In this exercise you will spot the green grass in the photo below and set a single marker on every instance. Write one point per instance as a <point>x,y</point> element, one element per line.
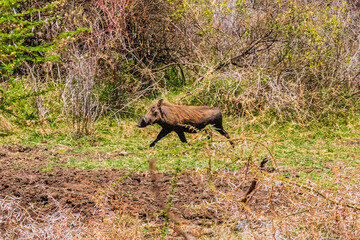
<point>316,153</point>
<point>48,167</point>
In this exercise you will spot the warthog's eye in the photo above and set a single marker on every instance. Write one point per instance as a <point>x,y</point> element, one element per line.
<point>153,108</point>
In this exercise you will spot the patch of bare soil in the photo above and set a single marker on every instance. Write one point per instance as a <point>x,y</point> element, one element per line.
<point>348,143</point>
<point>144,194</point>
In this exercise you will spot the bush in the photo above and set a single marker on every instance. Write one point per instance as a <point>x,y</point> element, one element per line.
<point>27,50</point>
<point>299,60</point>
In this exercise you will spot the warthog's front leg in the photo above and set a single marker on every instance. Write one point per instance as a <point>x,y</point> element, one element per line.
<point>161,134</point>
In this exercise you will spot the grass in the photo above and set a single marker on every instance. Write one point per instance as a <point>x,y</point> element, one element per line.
<point>319,152</point>
<point>319,156</point>
<point>315,153</point>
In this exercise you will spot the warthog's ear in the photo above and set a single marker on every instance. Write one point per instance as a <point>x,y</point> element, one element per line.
<point>160,102</point>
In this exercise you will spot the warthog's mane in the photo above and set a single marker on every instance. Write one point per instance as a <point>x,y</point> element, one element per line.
<point>178,114</point>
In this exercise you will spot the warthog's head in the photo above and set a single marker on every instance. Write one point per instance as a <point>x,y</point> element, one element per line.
<point>152,116</point>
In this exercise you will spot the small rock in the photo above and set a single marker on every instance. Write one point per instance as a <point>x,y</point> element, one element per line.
<point>241,225</point>
<point>123,153</point>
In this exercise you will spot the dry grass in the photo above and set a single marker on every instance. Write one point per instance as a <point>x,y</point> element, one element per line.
<point>291,212</point>
<point>5,125</point>
<point>26,222</point>
<point>277,208</point>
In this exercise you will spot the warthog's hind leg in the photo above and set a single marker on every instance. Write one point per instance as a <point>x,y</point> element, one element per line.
<point>221,130</point>
<point>182,136</point>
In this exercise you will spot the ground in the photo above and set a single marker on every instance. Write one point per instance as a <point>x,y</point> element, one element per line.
<point>142,195</point>
<point>52,190</point>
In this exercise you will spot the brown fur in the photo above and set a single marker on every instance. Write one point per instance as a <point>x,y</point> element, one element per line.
<point>177,115</point>
<point>181,119</point>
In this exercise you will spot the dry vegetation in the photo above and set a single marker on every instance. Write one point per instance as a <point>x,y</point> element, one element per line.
<point>295,60</point>
<point>276,209</point>
<point>80,71</point>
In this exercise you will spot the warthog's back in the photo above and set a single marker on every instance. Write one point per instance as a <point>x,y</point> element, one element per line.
<point>176,114</point>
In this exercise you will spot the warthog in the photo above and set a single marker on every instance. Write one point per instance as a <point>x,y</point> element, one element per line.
<point>181,119</point>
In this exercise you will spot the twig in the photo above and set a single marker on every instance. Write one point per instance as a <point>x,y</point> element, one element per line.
<point>245,52</point>
<point>253,182</point>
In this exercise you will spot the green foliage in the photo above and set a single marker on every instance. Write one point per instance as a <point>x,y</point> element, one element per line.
<point>173,79</point>
<point>15,95</point>
<point>17,29</point>
<point>311,34</point>
<point>17,100</point>
<point>19,43</point>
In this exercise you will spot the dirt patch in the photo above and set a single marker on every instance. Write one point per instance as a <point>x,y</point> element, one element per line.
<point>84,191</point>
<point>143,195</point>
<point>348,143</point>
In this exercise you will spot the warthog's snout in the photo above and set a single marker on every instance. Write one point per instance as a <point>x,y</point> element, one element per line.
<point>142,122</point>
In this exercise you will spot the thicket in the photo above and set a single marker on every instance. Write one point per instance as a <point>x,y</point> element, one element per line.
<point>296,60</point>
